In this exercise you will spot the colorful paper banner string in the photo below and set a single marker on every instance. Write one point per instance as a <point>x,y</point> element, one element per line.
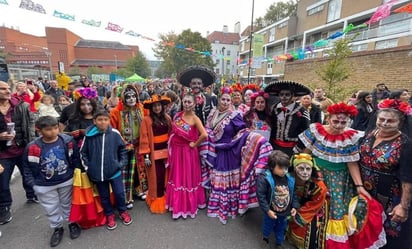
<point>30,5</point>
<point>62,15</point>
<point>114,27</point>
<point>92,22</point>
<point>4,2</point>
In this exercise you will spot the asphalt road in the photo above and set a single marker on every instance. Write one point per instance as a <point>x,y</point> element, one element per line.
<point>30,229</point>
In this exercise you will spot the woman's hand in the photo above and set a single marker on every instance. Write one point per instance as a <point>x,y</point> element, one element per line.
<point>293,212</point>
<point>5,136</point>
<point>362,191</point>
<point>399,213</point>
<point>192,144</point>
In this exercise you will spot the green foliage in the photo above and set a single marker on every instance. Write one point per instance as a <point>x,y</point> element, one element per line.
<point>94,70</point>
<point>276,12</point>
<point>176,59</point>
<point>138,65</point>
<point>336,70</point>
<point>75,70</point>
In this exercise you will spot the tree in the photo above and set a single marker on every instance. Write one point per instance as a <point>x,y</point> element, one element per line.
<point>277,11</point>
<point>94,70</point>
<point>178,56</point>
<point>75,70</point>
<point>337,69</point>
<point>138,65</point>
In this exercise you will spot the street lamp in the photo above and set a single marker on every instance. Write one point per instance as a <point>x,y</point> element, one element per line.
<point>115,61</point>
<point>48,54</point>
<point>223,61</point>
<point>250,44</point>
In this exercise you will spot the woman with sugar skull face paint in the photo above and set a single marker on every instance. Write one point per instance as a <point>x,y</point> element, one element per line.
<point>127,118</point>
<point>184,192</point>
<point>233,158</point>
<point>335,151</point>
<point>307,228</point>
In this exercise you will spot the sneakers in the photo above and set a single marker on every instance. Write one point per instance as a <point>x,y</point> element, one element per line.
<point>129,205</point>
<point>75,230</point>
<point>5,215</point>
<point>111,222</point>
<point>56,237</point>
<point>32,200</point>
<point>126,219</point>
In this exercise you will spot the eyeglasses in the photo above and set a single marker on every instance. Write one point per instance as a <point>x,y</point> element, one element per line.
<point>336,122</point>
<point>285,94</point>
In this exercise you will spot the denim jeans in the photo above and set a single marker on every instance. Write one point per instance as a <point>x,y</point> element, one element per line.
<point>118,191</point>
<point>5,193</point>
<point>278,226</point>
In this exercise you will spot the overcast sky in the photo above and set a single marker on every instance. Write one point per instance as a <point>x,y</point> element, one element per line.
<point>145,17</point>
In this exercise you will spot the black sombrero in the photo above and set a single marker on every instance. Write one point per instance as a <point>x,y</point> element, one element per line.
<point>208,76</point>
<point>297,88</point>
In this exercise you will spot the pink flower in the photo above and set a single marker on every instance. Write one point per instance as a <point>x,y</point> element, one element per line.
<point>199,100</point>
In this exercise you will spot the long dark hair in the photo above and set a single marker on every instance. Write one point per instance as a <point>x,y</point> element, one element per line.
<point>160,118</point>
<point>248,117</point>
<point>78,114</point>
<point>361,102</point>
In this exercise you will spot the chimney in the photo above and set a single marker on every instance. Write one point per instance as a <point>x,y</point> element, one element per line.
<point>237,27</point>
<point>225,30</point>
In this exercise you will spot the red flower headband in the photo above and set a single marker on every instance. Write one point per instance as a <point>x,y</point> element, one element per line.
<point>237,87</point>
<point>265,95</point>
<point>343,108</point>
<point>397,105</point>
<point>252,87</point>
<point>226,90</point>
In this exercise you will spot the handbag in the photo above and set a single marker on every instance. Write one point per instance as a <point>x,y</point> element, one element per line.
<point>160,154</point>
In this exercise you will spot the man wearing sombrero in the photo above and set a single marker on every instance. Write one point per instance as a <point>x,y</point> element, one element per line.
<point>197,77</point>
<point>289,119</point>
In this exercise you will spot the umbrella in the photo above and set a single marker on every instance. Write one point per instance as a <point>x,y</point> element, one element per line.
<point>134,78</point>
<point>297,88</point>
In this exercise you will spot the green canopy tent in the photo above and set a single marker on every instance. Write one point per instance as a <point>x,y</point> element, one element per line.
<point>135,78</point>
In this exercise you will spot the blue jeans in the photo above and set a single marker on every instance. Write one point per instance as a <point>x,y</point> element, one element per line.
<point>118,191</point>
<point>278,226</point>
<point>5,193</point>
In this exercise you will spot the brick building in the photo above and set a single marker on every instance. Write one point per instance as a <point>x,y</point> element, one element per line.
<point>43,54</point>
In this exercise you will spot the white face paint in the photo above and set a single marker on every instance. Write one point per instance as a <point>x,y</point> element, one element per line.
<point>225,102</point>
<point>188,103</point>
<point>196,84</point>
<point>303,171</point>
<point>248,96</point>
<point>338,122</point>
<point>130,98</point>
<point>387,122</point>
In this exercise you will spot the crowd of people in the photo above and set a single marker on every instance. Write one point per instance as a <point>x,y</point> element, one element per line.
<point>324,174</point>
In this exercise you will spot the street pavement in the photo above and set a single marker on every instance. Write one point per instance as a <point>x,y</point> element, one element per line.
<point>29,229</point>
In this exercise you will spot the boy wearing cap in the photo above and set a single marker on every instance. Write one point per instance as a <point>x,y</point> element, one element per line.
<point>307,228</point>
<point>275,192</point>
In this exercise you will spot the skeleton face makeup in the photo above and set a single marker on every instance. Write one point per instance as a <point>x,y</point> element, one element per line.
<point>224,102</point>
<point>338,122</point>
<point>303,171</point>
<point>197,85</point>
<point>248,96</point>
<point>388,122</point>
<point>188,103</point>
<point>130,98</point>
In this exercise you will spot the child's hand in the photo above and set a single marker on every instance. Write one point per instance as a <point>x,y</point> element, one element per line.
<point>293,212</point>
<point>272,215</point>
<point>1,168</point>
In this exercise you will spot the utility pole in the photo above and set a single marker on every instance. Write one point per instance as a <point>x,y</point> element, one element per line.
<point>223,62</point>
<point>250,44</point>
<point>49,54</point>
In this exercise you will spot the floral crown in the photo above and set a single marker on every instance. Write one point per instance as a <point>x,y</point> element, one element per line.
<point>226,90</point>
<point>237,87</point>
<point>265,95</point>
<point>84,92</point>
<point>252,87</point>
<point>343,108</point>
<point>397,105</point>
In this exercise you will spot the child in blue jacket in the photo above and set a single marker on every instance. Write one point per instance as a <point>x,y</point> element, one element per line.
<point>277,200</point>
<point>49,162</point>
<point>103,154</point>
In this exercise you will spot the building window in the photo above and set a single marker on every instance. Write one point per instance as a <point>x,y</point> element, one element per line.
<point>334,10</point>
<point>272,35</point>
<point>360,47</point>
<point>386,44</point>
<point>228,52</point>
<point>315,10</point>
<point>242,46</point>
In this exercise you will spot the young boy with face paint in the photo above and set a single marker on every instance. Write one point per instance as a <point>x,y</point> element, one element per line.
<point>306,229</point>
<point>277,200</point>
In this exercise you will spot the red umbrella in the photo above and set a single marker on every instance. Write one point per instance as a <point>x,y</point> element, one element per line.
<point>407,8</point>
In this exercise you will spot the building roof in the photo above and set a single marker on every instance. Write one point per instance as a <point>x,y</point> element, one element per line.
<point>100,44</point>
<point>224,37</point>
<point>81,62</point>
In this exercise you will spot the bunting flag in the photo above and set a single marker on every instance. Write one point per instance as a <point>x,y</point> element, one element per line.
<point>62,15</point>
<point>382,12</point>
<point>4,2</point>
<point>92,23</point>
<point>321,43</point>
<point>114,27</point>
<point>335,35</point>
<point>352,27</point>
<point>406,8</point>
<point>148,38</point>
<point>30,5</point>
<point>132,33</point>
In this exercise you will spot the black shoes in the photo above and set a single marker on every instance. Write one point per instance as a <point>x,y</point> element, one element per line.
<point>56,237</point>
<point>32,200</point>
<point>5,215</point>
<point>74,230</point>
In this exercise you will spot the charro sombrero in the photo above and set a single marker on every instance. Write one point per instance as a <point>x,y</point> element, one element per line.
<point>297,88</point>
<point>147,104</point>
<point>208,76</point>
